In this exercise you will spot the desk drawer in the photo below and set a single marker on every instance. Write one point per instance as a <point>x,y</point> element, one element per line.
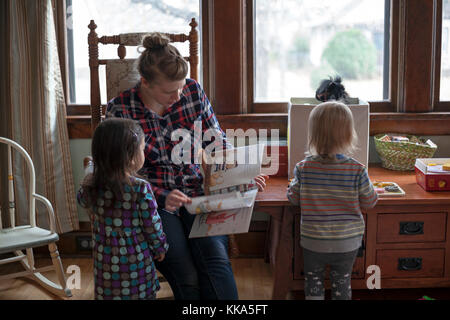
<point>411,263</point>
<point>411,227</point>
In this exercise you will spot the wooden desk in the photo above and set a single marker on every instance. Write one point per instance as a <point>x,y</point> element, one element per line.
<point>407,237</point>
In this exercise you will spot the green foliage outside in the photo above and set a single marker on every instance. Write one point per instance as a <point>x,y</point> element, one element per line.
<point>351,55</point>
<point>325,71</point>
<point>298,56</point>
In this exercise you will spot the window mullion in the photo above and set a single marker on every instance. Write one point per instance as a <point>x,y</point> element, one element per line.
<point>416,19</point>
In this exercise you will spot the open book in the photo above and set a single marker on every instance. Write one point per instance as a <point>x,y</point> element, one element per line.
<point>230,192</point>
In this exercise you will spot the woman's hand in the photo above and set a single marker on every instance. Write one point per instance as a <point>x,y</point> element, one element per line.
<point>176,199</point>
<point>261,181</point>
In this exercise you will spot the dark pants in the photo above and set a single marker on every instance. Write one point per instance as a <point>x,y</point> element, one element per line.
<point>195,268</point>
<point>341,265</point>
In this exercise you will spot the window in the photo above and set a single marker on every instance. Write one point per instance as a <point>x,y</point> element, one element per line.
<point>445,53</point>
<point>300,42</point>
<point>112,18</point>
<point>409,91</point>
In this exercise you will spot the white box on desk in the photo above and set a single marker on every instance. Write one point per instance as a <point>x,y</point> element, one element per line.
<point>299,110</point>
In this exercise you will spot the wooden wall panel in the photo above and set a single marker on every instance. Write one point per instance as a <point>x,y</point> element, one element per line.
<point>416,55</point>
<point>227,69</point>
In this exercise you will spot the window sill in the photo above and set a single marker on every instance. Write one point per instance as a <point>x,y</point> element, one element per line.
<point>433,123</point>
<point>423,124</point>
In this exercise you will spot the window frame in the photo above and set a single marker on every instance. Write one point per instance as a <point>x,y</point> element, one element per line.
<point>282,107</point>
<point>414,105</point>
<point>439,106</point>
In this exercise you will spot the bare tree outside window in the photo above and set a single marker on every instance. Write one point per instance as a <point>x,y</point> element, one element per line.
<point>114,17</point>
<point>299,42</point>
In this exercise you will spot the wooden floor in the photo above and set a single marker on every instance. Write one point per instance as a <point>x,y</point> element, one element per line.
<point>253,278</point>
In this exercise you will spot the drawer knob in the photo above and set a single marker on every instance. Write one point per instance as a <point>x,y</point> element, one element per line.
<point>409,264</point>
<point>411,228</point>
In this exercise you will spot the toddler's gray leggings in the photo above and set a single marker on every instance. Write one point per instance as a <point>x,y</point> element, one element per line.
<point>341,265</point>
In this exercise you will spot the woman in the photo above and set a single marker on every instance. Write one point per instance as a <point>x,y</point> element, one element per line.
<point>162,102</point>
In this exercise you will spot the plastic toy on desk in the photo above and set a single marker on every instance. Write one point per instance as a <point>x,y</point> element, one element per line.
<point>388,189</point>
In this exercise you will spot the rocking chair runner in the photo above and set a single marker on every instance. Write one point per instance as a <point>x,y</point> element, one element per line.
<point>121,73</point>
<point>25,237</point>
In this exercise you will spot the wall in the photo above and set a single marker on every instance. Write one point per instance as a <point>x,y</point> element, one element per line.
<point>79,148</point>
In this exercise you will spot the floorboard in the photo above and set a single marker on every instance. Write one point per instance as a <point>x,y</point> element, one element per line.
<point>253,277</point>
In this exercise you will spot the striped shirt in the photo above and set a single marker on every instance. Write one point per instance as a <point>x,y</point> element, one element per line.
<point>331,194</point>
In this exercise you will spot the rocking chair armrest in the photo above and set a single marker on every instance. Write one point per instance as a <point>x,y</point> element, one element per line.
<point>51,213</point>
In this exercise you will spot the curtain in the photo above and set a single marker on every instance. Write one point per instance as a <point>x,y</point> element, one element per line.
<point>33,110</point>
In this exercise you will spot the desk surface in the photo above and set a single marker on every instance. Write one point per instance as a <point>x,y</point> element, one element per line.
<point>275,192</point>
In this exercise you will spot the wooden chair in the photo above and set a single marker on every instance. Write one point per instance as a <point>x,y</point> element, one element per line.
<point>121,74</point>
<point>26,237</point>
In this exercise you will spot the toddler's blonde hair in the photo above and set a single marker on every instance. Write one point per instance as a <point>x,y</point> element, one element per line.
<point>331,130</point>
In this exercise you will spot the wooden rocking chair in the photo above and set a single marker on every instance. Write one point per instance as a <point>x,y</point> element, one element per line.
<point>26,237</point>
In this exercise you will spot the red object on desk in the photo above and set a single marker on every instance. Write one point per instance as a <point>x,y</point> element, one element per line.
<point>431,181</point>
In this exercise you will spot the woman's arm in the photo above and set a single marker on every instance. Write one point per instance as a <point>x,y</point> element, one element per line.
<point>367,195</point>
<point>209,122</point>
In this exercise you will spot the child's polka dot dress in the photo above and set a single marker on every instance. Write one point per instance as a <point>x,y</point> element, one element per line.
<point>127,233</point>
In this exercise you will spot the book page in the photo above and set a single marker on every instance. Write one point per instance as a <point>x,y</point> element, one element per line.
<point>222,223</point>
<point>234,167</point>
<point>220,202</point>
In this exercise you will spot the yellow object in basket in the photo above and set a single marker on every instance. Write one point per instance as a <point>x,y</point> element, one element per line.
<point>432,164</point>
<point>446,167</point>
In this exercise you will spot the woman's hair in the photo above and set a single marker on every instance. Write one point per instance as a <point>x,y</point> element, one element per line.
<point>115,146</point>
<point>331,130</point>
<point>161,59</point>
<point>331,89</point>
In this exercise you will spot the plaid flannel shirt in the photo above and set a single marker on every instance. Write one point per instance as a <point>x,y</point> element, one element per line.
<point>164,174</point>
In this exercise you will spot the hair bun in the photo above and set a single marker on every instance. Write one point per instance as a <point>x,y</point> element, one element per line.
<point>154,41</point>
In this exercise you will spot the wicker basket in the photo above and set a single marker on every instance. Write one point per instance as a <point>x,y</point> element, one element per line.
<point>402,155</point>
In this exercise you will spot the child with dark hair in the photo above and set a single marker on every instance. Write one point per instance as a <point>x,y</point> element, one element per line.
<point>126,227</point>
<point>331,89</point>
